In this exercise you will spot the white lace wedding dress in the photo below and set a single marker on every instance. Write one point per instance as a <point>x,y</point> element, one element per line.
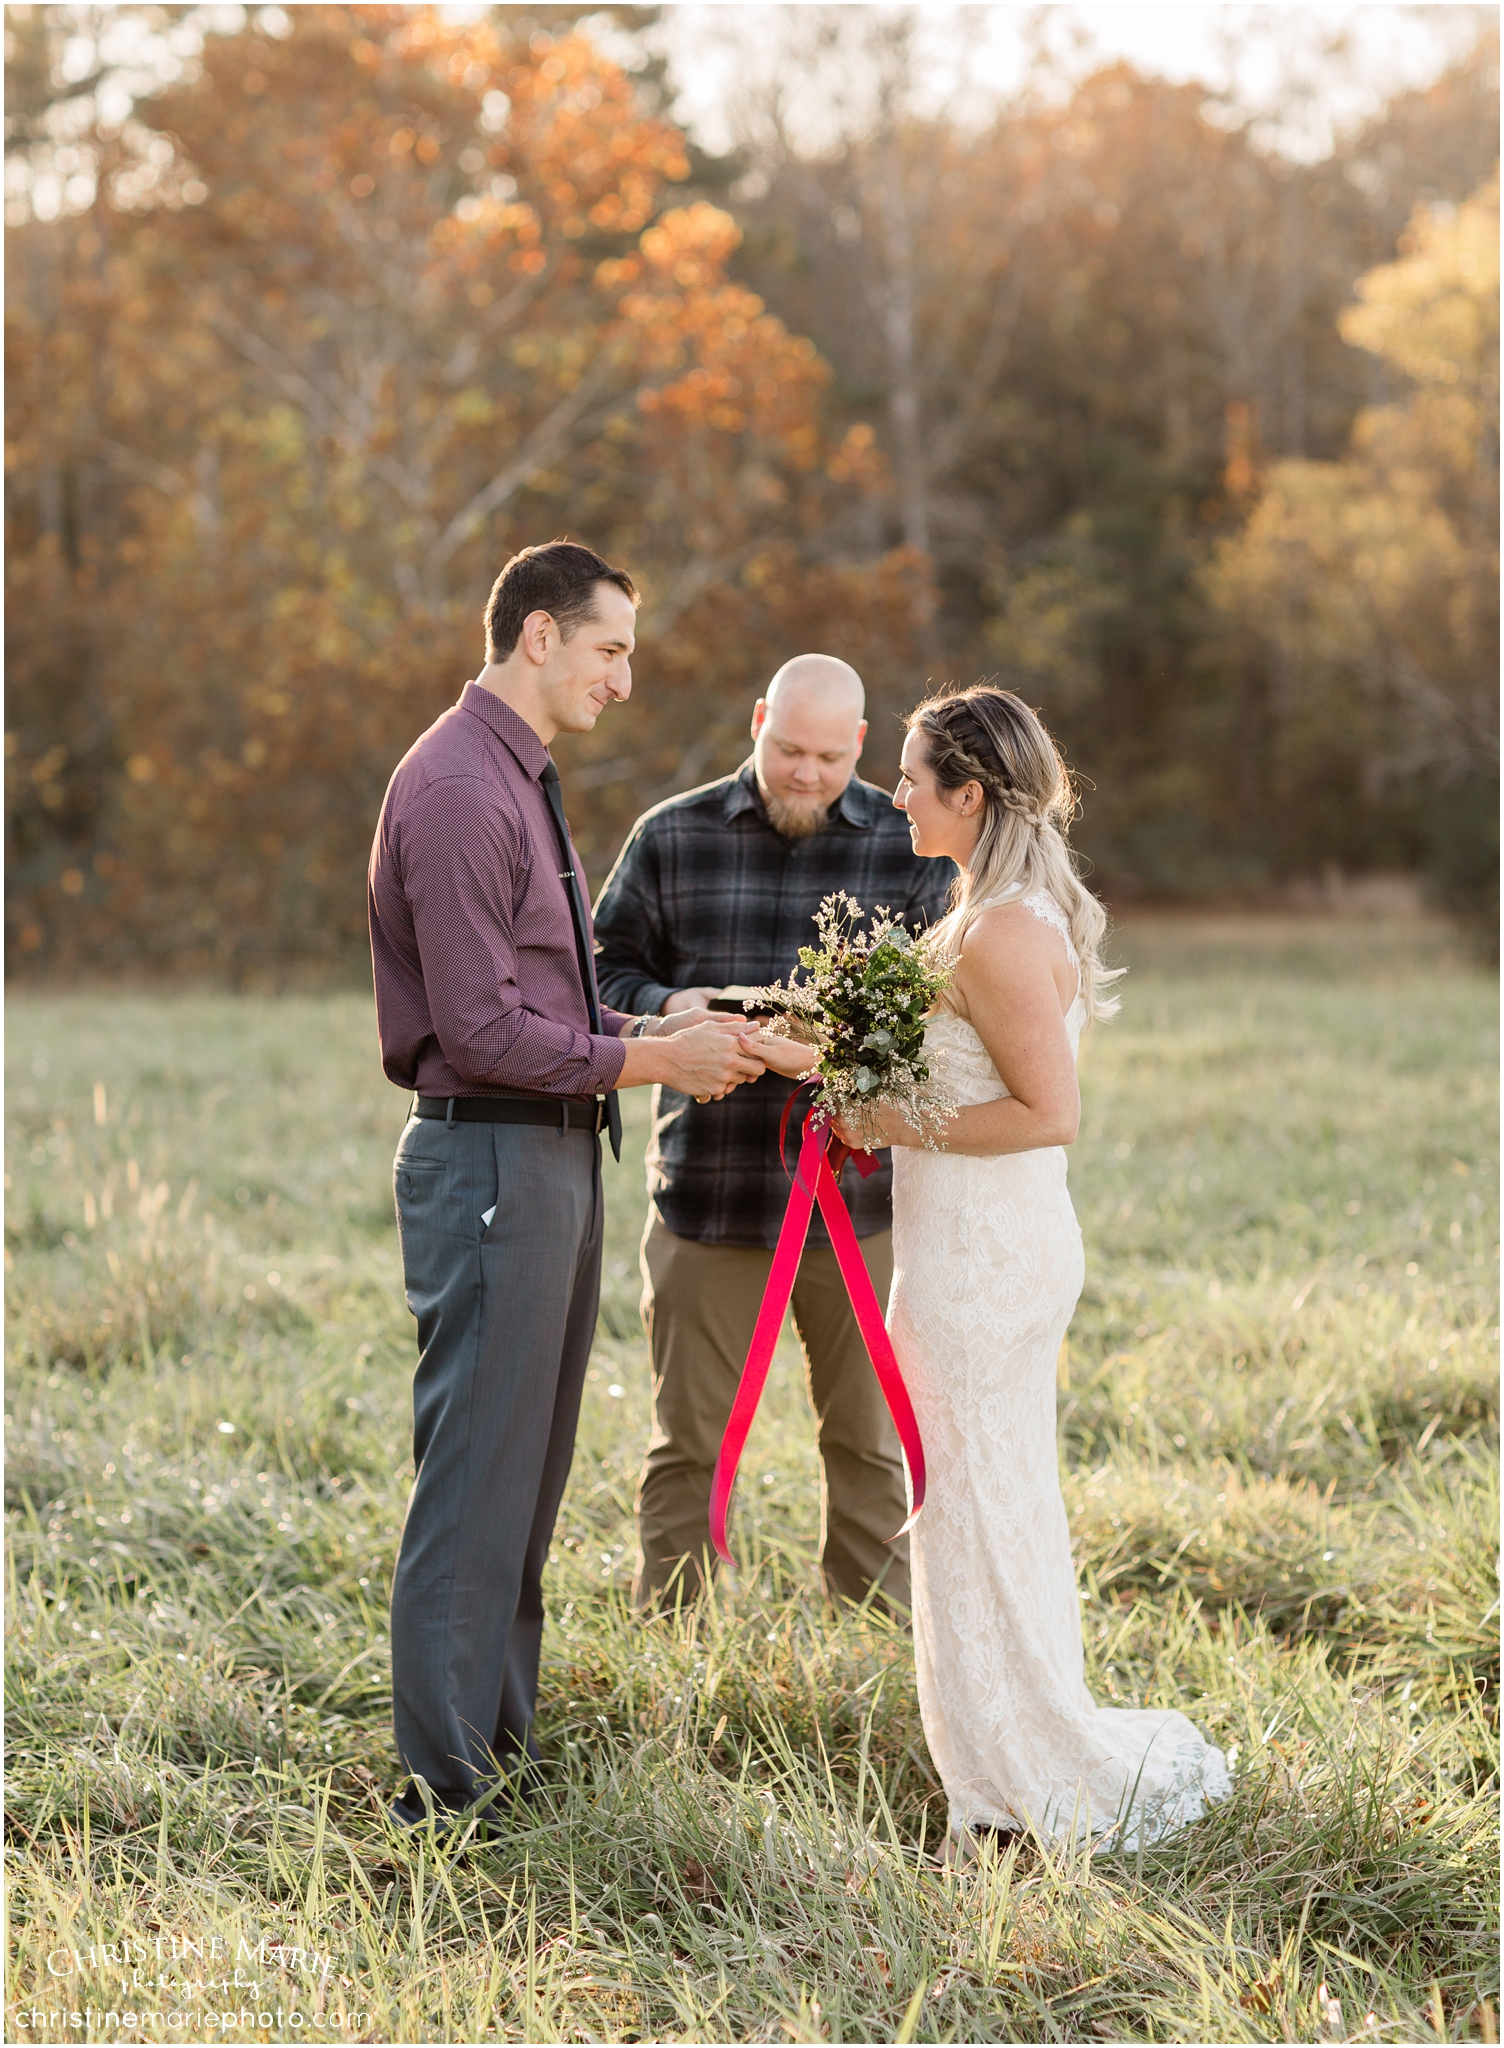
<point>987,1269</point>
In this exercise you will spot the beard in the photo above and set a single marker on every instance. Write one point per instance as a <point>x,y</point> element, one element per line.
<point>796,819</point>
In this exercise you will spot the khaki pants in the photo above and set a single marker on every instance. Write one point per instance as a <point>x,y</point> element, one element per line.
<point>700,1303</point>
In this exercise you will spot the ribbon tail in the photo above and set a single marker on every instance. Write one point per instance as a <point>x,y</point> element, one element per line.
<point>866,1163</point>
<point>770,1315</point>
<point>869,1317</point>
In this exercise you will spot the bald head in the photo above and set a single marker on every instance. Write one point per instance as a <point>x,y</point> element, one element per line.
<point>808,731</point>
<point>818,679</point>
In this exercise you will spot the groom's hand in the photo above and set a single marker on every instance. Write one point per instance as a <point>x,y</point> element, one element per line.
<point>687,999</point>
<point>669,1024</point>
<point>708,1057</point>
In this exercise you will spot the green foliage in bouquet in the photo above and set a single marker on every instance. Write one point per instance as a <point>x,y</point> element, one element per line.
<point>863,1001</point>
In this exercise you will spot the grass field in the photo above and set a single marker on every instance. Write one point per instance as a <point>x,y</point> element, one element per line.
<point>1278,1424</point>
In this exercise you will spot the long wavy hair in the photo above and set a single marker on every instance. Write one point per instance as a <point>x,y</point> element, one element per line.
<point>986,735</point>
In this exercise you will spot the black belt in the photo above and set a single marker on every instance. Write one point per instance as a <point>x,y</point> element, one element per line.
<point>562,1114</point>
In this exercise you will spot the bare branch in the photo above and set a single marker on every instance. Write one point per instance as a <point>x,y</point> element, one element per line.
<point>157,474</point>
<point>993,353</point>
<point>547,440</point>
<point>162,479</point>
<point>694,760</point>
<point>328,413</point>
<point>691,585</point>
<point>1456,735</point>
<point>495,321</point>
<point>600,774</point>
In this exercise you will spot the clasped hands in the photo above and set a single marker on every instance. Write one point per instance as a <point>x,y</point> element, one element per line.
<point>732,1050</point>
<point>735,1050</point>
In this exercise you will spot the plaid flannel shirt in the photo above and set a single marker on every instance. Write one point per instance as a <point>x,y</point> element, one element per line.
<point>707,893</point>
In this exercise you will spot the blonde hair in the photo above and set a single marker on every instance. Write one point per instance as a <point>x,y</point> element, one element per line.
<point>986,735</point>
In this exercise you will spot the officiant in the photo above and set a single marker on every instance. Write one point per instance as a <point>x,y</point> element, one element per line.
<point>720,887</point>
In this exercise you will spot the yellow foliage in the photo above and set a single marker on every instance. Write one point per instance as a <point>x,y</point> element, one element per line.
<point>1370,584</point>
<point>1435,313</point>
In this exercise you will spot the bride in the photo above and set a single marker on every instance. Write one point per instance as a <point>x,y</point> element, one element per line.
<point>987,1270</point>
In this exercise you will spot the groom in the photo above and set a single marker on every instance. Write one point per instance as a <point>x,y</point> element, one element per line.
<point>487,1008</point>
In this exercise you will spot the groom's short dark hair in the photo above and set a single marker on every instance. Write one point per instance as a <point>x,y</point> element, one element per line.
<point>559,578</point>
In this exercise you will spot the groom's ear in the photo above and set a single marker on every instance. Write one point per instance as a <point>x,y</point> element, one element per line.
<point>861,734</point>
<point>759,716</point>
<point>534,637</point>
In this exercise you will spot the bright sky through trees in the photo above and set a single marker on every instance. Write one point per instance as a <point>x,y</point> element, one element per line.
<point>1278,60</point>
<point>1282,62</point>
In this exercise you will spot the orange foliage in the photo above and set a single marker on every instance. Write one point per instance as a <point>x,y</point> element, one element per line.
<point>409,295</point>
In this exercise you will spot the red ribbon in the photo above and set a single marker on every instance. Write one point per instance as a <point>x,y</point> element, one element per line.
<point>821,1156</point>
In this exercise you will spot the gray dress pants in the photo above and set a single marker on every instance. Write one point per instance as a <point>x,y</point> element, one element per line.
<point>506,1316</point>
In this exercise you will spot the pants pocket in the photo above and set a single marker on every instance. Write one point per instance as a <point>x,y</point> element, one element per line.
<point>420,1184</point>
<point>416,1179</point>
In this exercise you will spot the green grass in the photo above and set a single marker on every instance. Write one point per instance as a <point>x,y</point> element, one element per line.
<point>1278,1419</point>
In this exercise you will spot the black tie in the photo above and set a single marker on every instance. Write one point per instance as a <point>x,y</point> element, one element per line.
<point>571,881</point>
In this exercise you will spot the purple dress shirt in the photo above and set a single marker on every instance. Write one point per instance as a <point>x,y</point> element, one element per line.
<point>478,986</point>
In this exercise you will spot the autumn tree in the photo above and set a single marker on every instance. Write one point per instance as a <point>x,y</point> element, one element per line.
<point>1083,327</point>
<point>1365,591</point>
<point>395,296</point>
<point>365,297</point>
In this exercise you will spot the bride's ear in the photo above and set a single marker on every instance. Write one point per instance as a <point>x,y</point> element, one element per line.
<point>969,799</point>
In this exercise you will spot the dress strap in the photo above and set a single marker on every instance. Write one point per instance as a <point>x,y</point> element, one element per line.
<point>1042,905</point>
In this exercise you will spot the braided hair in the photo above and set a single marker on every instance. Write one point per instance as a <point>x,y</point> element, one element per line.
<point>988,736</point>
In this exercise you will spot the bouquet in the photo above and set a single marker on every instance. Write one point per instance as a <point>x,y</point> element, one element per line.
<point>863,1002</point>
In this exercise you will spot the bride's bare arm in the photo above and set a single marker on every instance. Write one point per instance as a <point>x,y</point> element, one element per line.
<point>1013,984</point>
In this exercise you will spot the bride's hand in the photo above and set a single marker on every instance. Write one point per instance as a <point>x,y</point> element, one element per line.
<point>884,1126</point>
<point>784,1056</point>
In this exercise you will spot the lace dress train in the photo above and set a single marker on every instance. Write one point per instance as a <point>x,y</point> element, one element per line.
<point>987,1270</point>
